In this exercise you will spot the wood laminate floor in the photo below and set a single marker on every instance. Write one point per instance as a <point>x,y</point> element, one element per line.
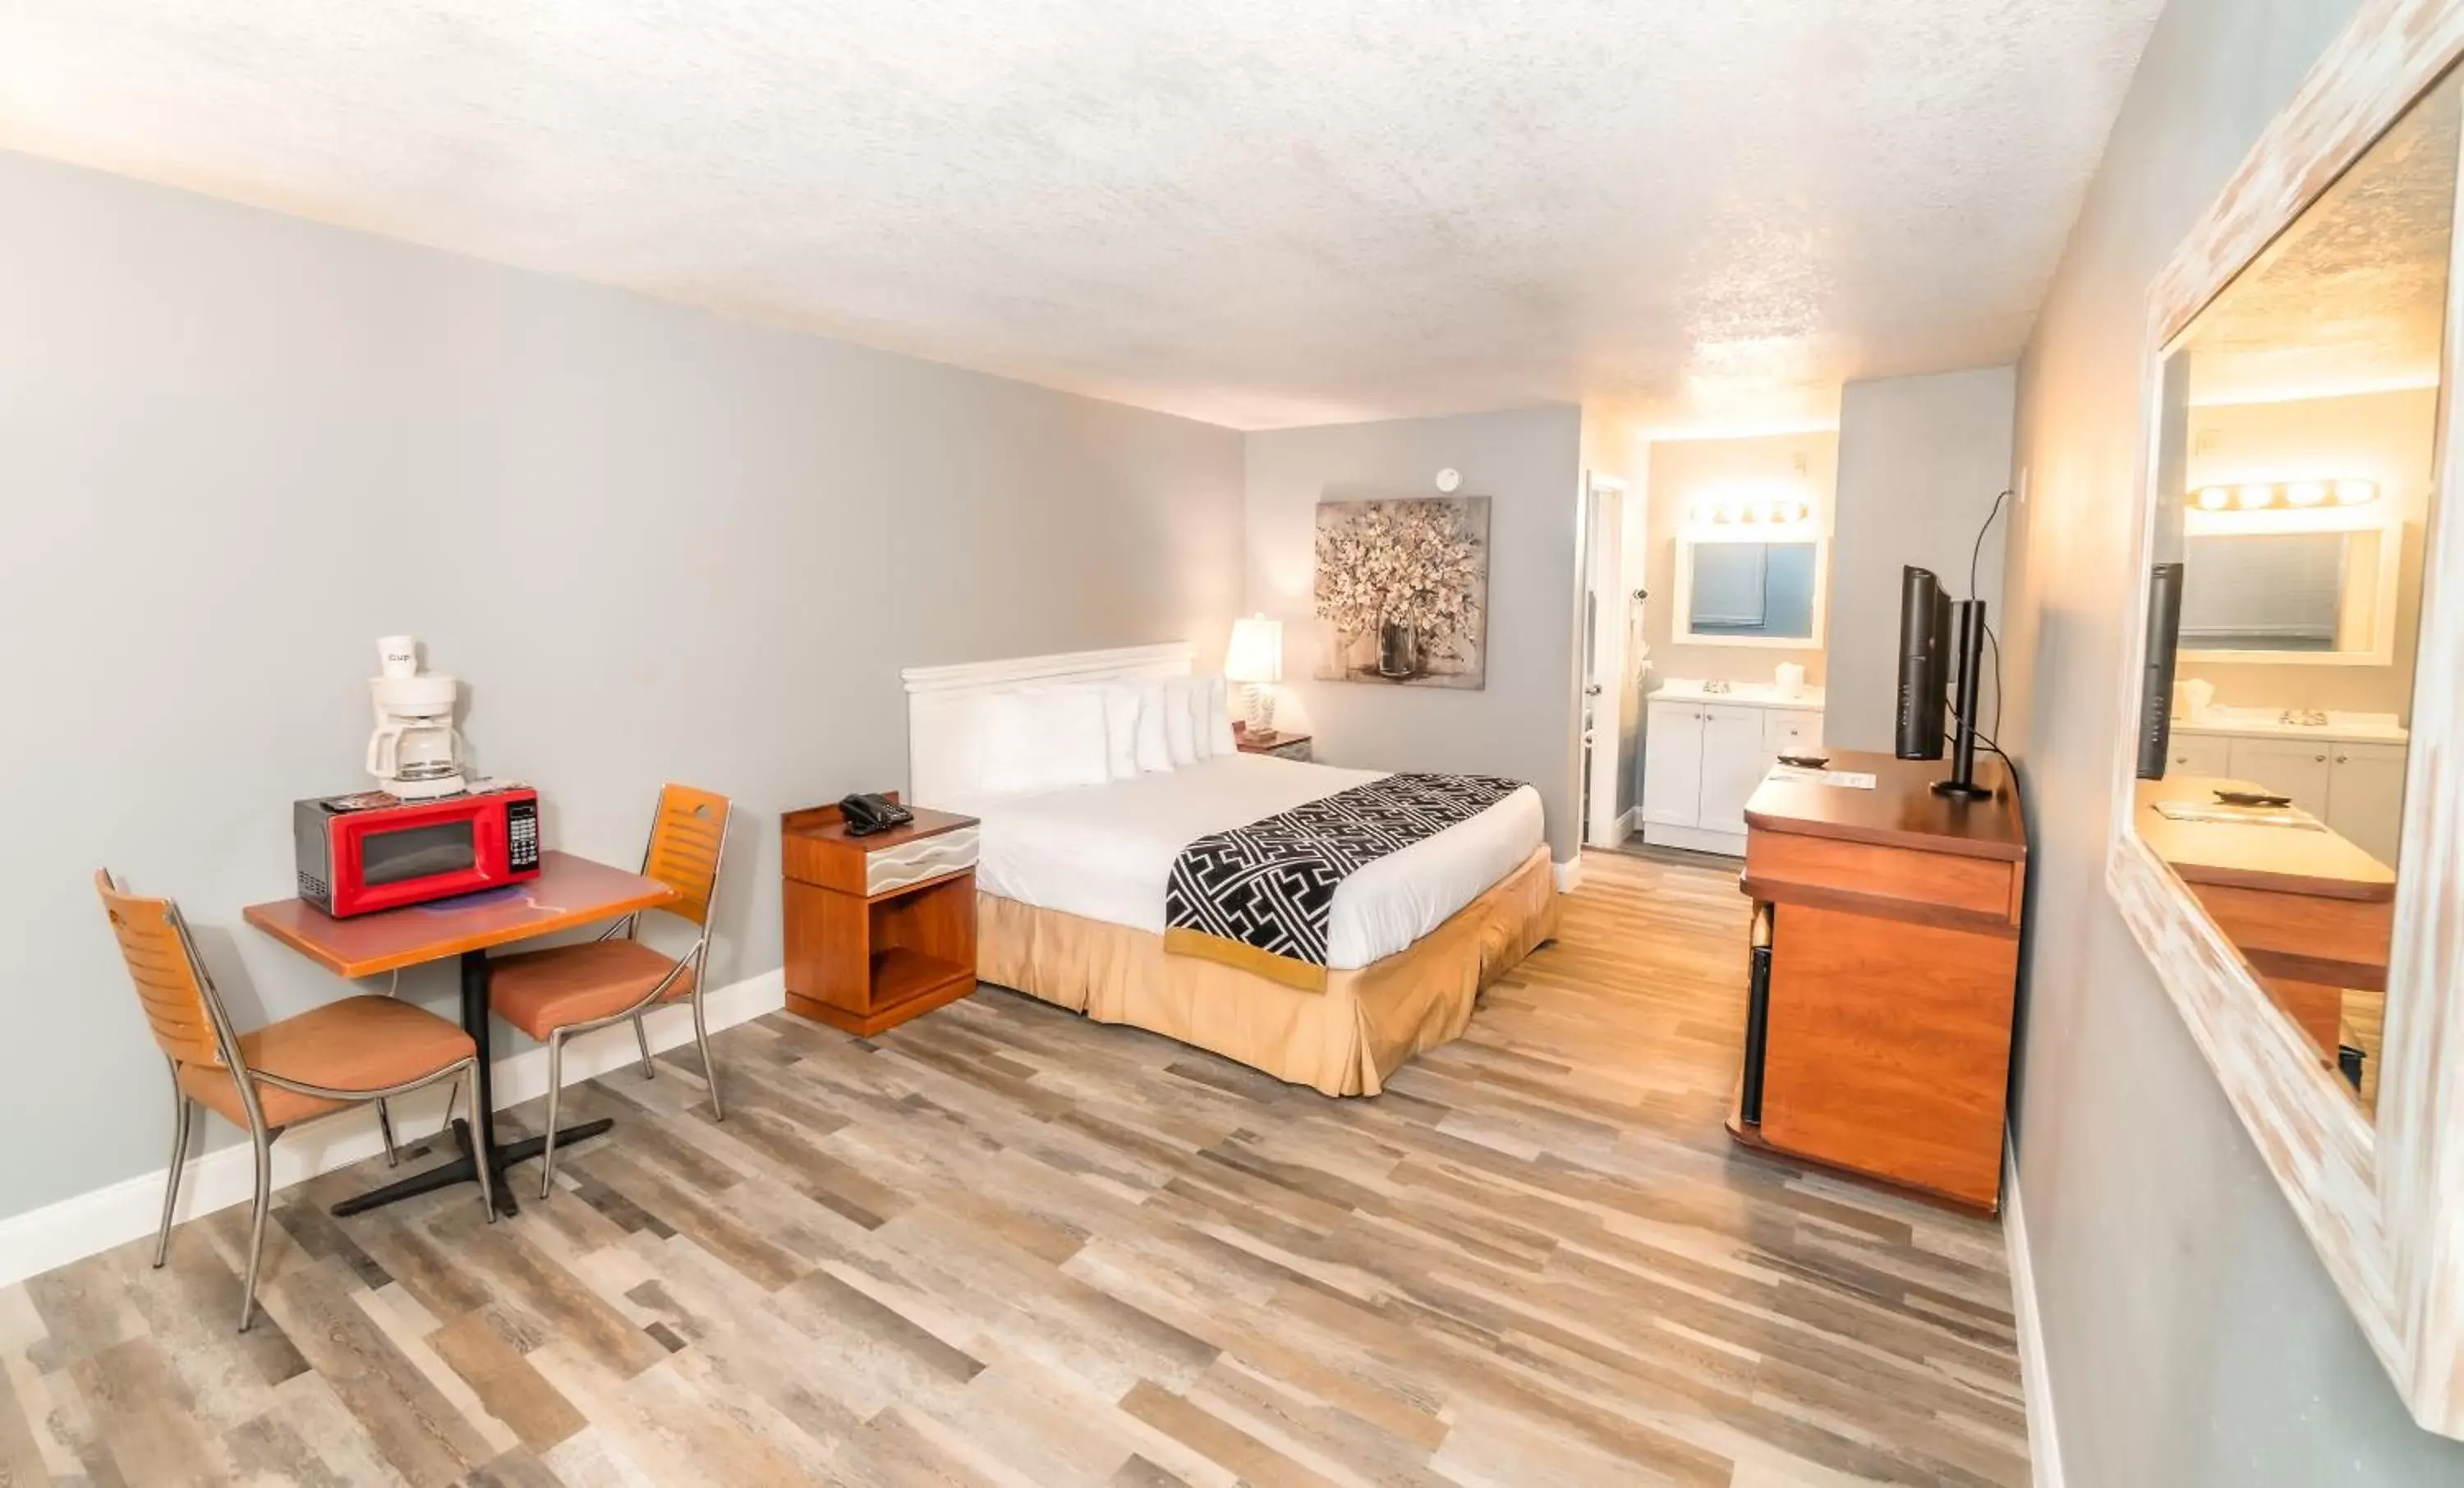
<point>1004,1245</point>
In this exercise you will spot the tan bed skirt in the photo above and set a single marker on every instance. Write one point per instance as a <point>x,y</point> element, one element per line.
<point>1344,1040</point>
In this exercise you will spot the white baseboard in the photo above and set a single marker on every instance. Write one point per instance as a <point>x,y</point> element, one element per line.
<point>1569,874</point>
<point>1694,838</point>
<point>2044,1443</point>
<point>37,1241</point>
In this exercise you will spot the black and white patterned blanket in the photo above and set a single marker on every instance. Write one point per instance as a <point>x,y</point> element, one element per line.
<point>1262,896</point>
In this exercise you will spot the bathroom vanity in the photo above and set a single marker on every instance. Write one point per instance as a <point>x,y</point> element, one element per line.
<point>1706,746</point>
<point>2346,768</point>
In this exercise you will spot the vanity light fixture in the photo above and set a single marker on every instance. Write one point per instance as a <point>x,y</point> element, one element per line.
<point>2264,496</point>
<point>1742,509</point>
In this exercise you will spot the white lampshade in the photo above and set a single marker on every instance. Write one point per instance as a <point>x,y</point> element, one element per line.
<point>1257,654</point>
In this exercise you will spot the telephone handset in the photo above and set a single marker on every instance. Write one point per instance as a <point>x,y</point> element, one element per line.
<point>866,815</point>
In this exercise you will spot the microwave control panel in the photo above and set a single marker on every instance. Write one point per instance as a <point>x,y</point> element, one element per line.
<point>522,836</point>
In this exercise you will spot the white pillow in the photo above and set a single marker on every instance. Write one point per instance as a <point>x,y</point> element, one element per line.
<point>1219,719</point>
<point>1042,741</point>
<point>1153,741</point>
<point>1184,703</point>
<point>1120,730</point>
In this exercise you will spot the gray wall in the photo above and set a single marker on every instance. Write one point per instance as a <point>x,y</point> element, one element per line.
<point>1920,461</point>
<point>2194,1341</point>
<point>236,447</point>
<point>1527,461</point>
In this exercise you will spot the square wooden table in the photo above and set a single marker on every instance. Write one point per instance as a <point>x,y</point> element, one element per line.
<point>569,892</point>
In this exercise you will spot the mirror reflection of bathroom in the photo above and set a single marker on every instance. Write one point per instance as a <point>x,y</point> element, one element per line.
<point>2296,472</point>
<point>1749,591</point>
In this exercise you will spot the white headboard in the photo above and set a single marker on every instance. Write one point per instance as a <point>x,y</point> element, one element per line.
<point>941,750</point>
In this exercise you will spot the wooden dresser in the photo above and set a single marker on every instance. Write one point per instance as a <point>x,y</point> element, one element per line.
<point>1892,919</point>
<point>2314,914</point>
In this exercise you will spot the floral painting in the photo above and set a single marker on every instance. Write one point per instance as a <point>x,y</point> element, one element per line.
<point>1402,591</point>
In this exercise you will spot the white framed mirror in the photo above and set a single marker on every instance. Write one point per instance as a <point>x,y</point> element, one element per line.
<point>2289,809</point>
<point>1751,569</point>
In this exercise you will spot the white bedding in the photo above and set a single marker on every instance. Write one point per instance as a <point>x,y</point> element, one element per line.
<point>1105,852</point>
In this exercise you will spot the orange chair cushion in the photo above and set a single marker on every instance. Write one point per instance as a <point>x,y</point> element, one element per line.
<point>360,1044</point>
<point>540,992</point>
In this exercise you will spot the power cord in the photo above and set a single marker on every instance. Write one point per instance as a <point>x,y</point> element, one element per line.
<point>1974,553</point>
<point>1978,551</point>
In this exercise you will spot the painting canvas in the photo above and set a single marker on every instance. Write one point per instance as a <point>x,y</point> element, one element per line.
<point>1402,591</point>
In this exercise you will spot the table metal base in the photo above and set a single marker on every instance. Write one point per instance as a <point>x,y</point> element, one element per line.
<point>461,1170</point>
<point>501,1155</point>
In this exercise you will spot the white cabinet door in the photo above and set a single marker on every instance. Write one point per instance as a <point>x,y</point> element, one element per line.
<point>1672,764</point>
<point>1734,762</point>
<point>1792,732</point>
<point>2200,753</point>
<point>2366,796</point>
<point>2289,767</point>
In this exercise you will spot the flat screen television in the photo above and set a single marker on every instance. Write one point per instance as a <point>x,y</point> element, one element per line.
<point>1926,675</point>
<point>1925,633</point>
<point>2164,647</point>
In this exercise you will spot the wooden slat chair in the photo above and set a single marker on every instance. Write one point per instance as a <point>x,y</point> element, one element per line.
<point>348,1053</point>
<point>563,990</point>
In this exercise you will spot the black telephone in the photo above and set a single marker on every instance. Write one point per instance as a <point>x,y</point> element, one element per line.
<point>866,815</point>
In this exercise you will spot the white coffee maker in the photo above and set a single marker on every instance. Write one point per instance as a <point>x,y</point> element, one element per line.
<point>415,754</point>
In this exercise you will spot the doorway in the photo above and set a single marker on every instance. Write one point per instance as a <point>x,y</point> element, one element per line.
<point>1612,647</point>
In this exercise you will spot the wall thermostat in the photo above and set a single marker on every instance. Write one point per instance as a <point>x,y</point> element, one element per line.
<point>1449,480</point>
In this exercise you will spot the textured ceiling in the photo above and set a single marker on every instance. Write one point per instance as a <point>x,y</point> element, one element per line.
<point>1704,213</point>
<point>2351,297</point>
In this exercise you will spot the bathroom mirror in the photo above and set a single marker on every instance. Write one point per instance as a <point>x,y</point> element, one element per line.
<point>1741,591</point>
<point>2291,597</point>
<point>2301,410</point>
<point>2288,810</point>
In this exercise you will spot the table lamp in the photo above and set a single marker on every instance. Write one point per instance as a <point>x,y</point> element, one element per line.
<point>1256,661</point>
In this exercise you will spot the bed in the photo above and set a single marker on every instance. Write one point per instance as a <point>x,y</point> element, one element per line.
<point>1071,891</point>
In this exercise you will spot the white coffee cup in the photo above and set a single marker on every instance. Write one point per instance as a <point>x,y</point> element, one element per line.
<point>398,656</point>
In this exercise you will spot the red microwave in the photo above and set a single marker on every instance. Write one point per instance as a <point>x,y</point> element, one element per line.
<point>356,860</point>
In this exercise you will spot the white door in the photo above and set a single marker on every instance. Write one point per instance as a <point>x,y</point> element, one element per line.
<point>2199,754</point>
<point>2289,767</point>
<point>2366,796</point>
<point>1672,764</point>
<point>1604,659</point>
<point>1788,730</point>
<point>1734,762</point>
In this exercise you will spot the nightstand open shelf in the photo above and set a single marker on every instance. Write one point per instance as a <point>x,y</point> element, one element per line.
<point>878,928</point>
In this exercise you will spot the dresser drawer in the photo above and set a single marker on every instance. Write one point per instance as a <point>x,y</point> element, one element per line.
<point>913,862</point>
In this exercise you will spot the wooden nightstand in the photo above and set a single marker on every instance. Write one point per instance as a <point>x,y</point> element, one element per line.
<point>879,929</point>
<point>1282,746</point>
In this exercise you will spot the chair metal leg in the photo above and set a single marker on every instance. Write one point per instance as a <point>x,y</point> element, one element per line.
<point>642,1037</point>
<point>385,1129</point>
<point>181,1107</point>
<point>708,1067</point>
<point>555,1088</point>
<point>479,1154</point>
<point>263,1143</point>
